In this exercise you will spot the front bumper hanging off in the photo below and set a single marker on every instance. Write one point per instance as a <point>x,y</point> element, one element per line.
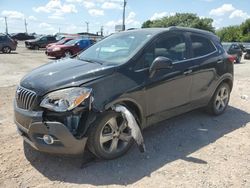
<point>31,126</point>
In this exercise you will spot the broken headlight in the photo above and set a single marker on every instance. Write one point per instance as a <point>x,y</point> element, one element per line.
<point>65,99</point>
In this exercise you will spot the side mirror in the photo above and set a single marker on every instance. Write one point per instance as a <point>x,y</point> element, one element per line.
<point>78,44</point>
<point>158,64</point>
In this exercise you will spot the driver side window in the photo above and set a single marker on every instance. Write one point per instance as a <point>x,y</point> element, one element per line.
<point>171,46</point>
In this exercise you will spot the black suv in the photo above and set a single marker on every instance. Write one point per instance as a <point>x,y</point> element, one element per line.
<point>40,42</point>
<point>106,95</point>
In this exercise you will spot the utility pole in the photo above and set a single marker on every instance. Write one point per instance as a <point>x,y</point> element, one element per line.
<point>87,23</point>
<point>123,16</point>
<point>6,25</point>
<point>25,25</point>
<point>59,30</point>
<point>101,30</point>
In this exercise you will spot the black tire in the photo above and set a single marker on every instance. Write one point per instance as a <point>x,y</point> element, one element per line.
<point>6,49</point>
<point>68,53</point>
<point>100,128</point>
<point>36,47</point>
<point>220,99</point>
<point>238,60</point>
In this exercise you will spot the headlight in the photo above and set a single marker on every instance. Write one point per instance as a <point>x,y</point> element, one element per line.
<point>65,99</point>
<point>56,49</point>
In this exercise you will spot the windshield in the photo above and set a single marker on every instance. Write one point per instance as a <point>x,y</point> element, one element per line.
<point>117,48</point>
<point>71,42</point>
<point>62,41</point>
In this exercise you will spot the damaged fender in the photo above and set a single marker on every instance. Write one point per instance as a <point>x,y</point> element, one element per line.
<point>133,125</point>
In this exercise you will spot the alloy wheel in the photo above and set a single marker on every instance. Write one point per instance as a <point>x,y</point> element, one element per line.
<point>115,135</point>
<point>221,99</point>
<point>6,49</point>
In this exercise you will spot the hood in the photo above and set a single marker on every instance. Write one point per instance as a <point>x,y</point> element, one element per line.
<point>63,73</point>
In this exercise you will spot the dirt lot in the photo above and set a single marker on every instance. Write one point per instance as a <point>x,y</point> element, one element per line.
<point>192,150</point>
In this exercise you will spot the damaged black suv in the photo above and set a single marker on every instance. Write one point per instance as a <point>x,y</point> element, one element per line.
<point>102,98</point>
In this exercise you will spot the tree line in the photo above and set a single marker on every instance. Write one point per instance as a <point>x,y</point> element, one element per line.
<point>238,33</point>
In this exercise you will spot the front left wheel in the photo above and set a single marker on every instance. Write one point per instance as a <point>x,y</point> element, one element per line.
<point>110,136</point>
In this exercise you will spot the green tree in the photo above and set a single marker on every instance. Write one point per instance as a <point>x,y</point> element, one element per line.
<point>182,19</point>
<point>230,34</point>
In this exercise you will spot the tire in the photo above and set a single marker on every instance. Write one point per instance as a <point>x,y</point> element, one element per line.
<point>36,47</point>
<point>108,141</point>
<point>238,60</point>
<point>220,99</point>
<point>67,53</point>
<point>6,49</point>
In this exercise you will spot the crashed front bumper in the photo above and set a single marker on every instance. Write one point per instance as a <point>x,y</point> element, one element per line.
<point>32,127</point>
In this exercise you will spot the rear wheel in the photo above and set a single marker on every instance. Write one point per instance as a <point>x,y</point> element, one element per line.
<point>67,53</point>
<point>36,47</point>
<point>6,49</point>
<point>220,99</point>
<point>110,137</point>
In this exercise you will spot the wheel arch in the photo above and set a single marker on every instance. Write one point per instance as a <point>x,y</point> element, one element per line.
<point>132,105</point>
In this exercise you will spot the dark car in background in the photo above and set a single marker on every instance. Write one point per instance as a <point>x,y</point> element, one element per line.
<point>233,49</point>
<point>247,55</point>
<point>22,36</point>
<point>60,42</point>
<point>70,48</point>
<point>40,42</point>
<point>7,44</point>
<point>106,95</point>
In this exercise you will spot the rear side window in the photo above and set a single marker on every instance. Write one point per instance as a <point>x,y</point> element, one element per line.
<point>201,46</point>
<point>51,38</point>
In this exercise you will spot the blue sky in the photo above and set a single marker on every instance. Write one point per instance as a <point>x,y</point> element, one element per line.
<point>47,16</point>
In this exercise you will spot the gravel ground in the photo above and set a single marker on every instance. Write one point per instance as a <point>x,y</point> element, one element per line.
<point>191,150</point>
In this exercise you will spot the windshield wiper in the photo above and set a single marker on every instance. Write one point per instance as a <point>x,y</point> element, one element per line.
<point>91,61</point>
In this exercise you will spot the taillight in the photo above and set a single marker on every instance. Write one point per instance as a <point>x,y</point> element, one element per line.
<point>231,58</point>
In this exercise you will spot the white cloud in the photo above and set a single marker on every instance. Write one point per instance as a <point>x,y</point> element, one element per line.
<point>13,14</point>
<point>222,10</point>
<point>56,8</point>
<point>158,15</point>
<point>96,12</point>
<point>130,22</point>
<point>111,5</point>
<point>32,18</point>
<point>217,23</point>
<point>88,4</point>
<point>239,14</point>
<point>47,27</point>
<point>74,1</point>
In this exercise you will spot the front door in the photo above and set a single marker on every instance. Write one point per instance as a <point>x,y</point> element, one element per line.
<point>169,88</point>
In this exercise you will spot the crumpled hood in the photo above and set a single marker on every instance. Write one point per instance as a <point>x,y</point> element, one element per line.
<point>63,73</point>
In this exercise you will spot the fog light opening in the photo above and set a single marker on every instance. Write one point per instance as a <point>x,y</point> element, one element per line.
<point>48,139</point>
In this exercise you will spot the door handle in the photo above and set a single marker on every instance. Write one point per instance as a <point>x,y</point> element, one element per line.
<point>188,72</point>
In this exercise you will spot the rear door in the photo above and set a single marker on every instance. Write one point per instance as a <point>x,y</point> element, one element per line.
<point>206,58</point>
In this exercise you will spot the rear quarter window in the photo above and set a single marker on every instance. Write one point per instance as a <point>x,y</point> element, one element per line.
<point>201,46</point>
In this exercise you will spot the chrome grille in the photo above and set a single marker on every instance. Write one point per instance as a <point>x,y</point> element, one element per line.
<point>25,98</point>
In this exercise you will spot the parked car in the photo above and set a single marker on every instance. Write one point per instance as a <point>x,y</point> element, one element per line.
<point>233,49</point>
<point>7,44</point>
<point>40,42</point>
<point>247,54</point>
<point>60,42</point>
<point>69,48</point>
<point>22,36</point>
<point>105,96</point>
